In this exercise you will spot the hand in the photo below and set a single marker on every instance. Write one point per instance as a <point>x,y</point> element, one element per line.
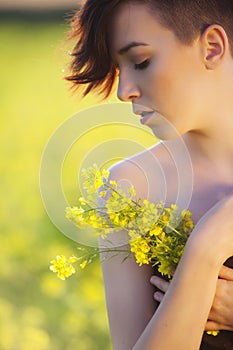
<point>221,313</point>
<point>160,284</point>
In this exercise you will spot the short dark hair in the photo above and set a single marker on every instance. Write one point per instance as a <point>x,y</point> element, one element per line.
<point>92,64</point>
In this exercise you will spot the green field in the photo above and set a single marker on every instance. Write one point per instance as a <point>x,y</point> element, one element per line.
<point>39,311</point>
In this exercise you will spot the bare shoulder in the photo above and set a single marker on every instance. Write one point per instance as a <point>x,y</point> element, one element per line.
<point>149,172</point>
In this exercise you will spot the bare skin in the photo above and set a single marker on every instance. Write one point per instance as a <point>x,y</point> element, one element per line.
<point>196,112</point>
<point>208,191</point>
<point>220,316</point>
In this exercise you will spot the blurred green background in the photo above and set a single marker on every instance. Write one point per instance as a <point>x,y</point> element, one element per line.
<point>37,310</point>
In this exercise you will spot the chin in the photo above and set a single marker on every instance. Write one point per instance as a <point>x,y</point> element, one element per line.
<point>164,133</point>
<point>162,128</point>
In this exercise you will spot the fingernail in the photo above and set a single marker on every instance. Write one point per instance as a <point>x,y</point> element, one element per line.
<point>157,297</point>
<point>153,279</point>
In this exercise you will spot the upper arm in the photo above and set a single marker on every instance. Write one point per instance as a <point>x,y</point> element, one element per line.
<point>129,297</point>
<point>129,293</point>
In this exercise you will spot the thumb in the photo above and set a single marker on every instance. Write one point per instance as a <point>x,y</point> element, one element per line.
<point>226,273</point>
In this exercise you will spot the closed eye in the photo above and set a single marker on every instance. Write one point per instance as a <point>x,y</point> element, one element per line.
<point>142,65</point>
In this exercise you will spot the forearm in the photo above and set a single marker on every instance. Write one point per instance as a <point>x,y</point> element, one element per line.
<point>182,315</point>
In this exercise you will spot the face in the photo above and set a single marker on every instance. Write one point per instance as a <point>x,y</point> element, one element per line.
<point>160,76</point>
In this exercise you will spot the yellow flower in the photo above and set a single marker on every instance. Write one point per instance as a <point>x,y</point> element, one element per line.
<point>93,179</point>
<point>98,181</point>
<point>164,218</point>
<point>113,183</point>
<point>62,267</point>
<point>214,333</point>
<point>82,201</point>
<point>174,207</point>
<point>102,193</point>
<point>144,247</point>
<point>72,259</point>
<point>75,214</point>
<point>156,231</point>
<point>134,235</point>
<point>105,173</point>
<point>188,225</point>
<point>141,250</point>
<point>165,268</point>
<point>141,258</point>
<point>132,191</point>
<point>95,220</point>
<point>83,264</point>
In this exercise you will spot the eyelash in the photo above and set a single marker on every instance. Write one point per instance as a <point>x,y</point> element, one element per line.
<point>142,65</point>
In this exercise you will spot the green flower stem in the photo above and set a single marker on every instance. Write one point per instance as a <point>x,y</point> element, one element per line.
<point>114,190</point>
<point>97,251</point>
<point>95,209</point>
<point>172,228</point>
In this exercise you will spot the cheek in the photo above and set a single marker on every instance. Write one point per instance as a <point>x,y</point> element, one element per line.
<point>174,93</point>
<point>162,89</point>
<point>172,98</point>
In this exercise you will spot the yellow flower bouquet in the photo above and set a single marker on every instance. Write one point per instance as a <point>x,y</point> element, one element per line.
<point>156,234</point>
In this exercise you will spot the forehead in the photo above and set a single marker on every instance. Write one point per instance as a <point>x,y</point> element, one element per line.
<point>134,22</point>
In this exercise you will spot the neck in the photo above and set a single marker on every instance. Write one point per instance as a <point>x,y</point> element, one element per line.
<point>212,134</point>
<point>214,139</point>
<point>212,151</point>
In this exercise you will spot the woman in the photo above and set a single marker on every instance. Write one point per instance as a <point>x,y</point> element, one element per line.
<point>174,61</point>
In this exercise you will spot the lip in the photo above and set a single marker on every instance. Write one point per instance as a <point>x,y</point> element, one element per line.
<point>141,110</point>
<point>146,116</point>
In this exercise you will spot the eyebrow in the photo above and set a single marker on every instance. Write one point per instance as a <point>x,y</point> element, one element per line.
<point>129,46</point>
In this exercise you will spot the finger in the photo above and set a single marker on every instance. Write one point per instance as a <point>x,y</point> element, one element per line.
<point>158,296</point>
<point>212,326</point>
<point>159,283</point>
<point>226,273</point>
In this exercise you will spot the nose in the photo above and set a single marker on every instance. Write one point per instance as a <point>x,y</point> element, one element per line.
<point>127,90</point>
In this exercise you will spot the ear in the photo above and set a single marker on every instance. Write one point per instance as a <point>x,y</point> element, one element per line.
<point>215,44</point>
